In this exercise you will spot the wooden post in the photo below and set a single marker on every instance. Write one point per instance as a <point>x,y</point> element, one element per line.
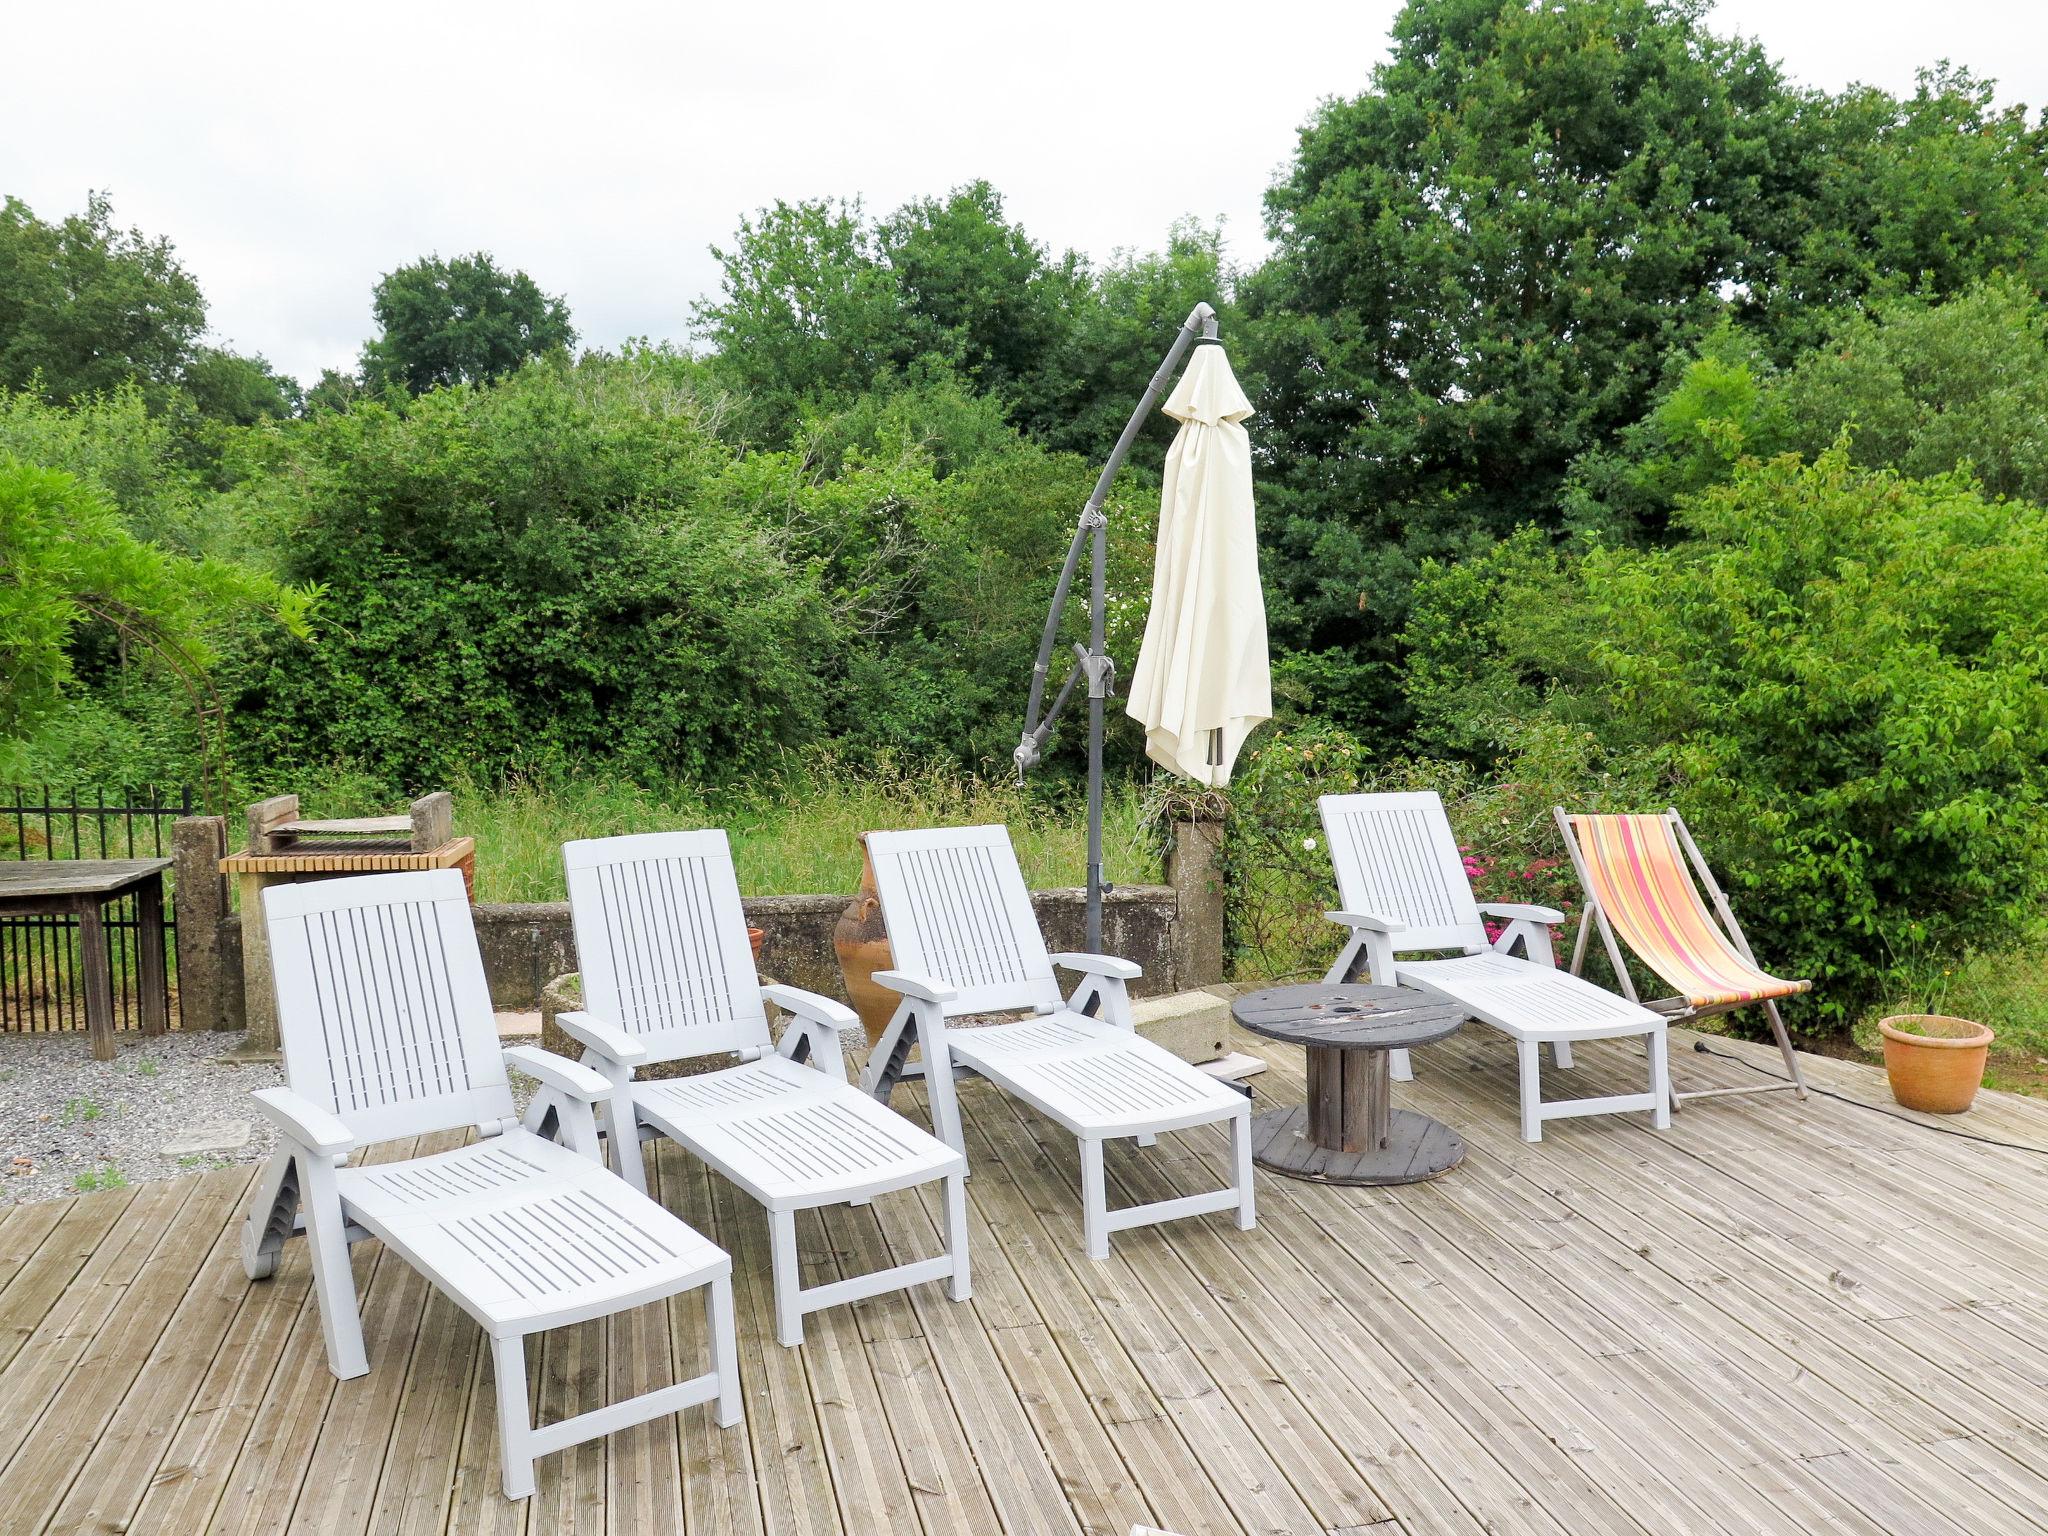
<point>265,817</point>
<point>99,984</point>
<point>200,894</point>
<point>150,975</point>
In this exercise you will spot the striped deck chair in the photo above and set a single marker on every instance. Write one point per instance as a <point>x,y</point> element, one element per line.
<point>1643,876</point>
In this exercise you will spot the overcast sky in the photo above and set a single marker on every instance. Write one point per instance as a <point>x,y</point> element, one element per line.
<point>295,153</point>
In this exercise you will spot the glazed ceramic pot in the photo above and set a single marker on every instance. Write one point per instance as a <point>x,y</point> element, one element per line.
<point>1936,1063</point>
<point>862,944</point>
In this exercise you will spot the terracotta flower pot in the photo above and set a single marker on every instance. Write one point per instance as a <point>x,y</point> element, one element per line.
<point>754,937</point>
<point>862,944</point>
<point>1936,1063</point>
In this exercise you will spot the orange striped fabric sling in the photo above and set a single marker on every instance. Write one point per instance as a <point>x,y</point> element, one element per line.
<point>1638,877</point>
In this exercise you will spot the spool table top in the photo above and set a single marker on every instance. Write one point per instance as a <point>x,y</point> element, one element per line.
<point>1348,1017</point>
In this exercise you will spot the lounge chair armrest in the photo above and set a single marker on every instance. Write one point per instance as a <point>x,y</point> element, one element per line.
<point>608,1040</point>
<point>1367,920</point>
<point>926,989</point>
<point>304,1122</point>
<point>811,1005</point>
<point>559,1073</point>
<point>1521,912</point>
<point>1099,965</point>
<point>814,1023</point>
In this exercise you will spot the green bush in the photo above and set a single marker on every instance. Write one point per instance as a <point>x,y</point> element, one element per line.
<point>1838,675</point>
<point>525,577</point>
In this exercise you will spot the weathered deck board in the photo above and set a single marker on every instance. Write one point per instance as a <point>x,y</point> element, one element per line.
<point>1776,1316</point>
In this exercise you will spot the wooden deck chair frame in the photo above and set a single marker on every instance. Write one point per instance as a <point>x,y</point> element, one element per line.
<point>1680,1009</point>
<point>1403,882</point>
<point>668,975</point>
<point>966,940</point>
<point>387,1030</point>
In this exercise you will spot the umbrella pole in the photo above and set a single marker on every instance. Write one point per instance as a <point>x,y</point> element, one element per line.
<point>1098,697</point>
<point>1094,662</point>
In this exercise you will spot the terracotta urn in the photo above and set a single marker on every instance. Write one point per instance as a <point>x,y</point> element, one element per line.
<point>1936,1063</point>
<point>862,944</point>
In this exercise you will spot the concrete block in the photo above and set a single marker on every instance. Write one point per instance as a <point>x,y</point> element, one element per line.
<point>210,1136</point>
<point>1195,1026</point>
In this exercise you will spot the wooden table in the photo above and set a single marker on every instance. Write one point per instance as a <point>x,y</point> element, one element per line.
<point>83,888</point>
<point>1349,1131</point>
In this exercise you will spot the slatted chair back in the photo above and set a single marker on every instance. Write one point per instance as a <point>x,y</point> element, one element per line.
<point>662,941</point>
<point>1396,857</point>
<point>958,911</point>
<point>382,1005</point>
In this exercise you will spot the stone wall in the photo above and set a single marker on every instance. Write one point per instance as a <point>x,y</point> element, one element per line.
<point>527,945</point>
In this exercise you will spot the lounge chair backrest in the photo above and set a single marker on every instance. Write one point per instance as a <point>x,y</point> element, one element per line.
<point>1396,857</point>
<point>1635,871</point>
<point>662,941</point>
<point>957,910</point>
<point>382,1007</point>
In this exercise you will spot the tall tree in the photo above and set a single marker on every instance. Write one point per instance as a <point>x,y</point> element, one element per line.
<point>85,307</point>
<point>1478,265</point>
<point>1923,195</point>
<point>460,320</point>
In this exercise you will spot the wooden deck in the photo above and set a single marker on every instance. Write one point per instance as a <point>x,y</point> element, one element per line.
<point>1775,1317</point>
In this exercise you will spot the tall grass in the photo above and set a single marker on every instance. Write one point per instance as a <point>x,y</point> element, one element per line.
<point>796,833</point>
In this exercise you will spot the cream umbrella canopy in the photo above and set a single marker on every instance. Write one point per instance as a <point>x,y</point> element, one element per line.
<point>1202,681</point>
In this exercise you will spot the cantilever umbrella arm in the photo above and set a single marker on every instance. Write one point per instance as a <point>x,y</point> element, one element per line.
<point>1092,661</point>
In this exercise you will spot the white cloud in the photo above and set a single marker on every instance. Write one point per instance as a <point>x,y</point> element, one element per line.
<point>294,153</point>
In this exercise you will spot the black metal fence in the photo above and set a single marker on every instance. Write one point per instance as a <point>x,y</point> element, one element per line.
<point>40,986</point>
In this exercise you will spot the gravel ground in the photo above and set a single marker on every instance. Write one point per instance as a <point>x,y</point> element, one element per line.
<point>69,1123</point>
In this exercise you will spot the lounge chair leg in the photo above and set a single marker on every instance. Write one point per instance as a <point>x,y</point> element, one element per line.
<point>1532,1089</point>
<point>1399,1067</point>
<point>1148,1139</point>
<point>789,1317</point>
<point>1785,1048</point>
<point>333,1281</point>
<point>1561,1052</point>
<point>272,1211</point>
<point>622,1130</point>
<point>515,1418</point>
<point>1656,1045</point>
<point>1094,1199</point>
<point>1241,1155</point>
<point>724,1350</point>
<point>956,1235</point>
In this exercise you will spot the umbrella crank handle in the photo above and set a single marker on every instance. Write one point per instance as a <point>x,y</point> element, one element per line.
<point>1099,670</point>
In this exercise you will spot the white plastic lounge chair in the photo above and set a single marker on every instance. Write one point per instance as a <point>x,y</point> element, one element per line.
<point>966,941</point>
<point>668,975</point>
<point>1642,877</point>
<point>388,1032</point>
<point>1403,885</point>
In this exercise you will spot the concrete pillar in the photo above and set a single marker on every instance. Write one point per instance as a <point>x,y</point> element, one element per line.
<point>200,893</point>
<point>1194,870</point>
<point>259,999</point>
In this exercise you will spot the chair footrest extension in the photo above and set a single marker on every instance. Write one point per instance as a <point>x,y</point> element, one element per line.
<point>599,1422</point>
<point>861,1287</point>
<point>1171,1210</point>
<point>1611,1104</point>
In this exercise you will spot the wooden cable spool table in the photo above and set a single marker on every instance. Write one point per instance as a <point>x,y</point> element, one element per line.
<point>1349,1131</point>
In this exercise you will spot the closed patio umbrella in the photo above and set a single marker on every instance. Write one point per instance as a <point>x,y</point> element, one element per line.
<point>1202,681</point>
<point>1210,469</point>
